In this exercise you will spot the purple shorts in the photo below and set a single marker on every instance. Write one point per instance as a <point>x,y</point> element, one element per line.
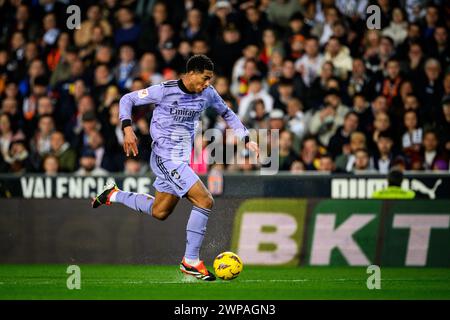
<point>174,177</point>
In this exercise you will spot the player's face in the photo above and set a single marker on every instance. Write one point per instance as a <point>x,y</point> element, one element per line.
<point>201,80</point>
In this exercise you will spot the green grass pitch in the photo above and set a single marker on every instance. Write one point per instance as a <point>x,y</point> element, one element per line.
<point>266,283</point>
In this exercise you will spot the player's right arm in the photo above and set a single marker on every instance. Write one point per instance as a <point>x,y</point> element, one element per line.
<point>152,94</point>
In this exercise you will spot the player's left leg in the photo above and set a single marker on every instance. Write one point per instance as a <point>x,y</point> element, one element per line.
<point>203,202</point>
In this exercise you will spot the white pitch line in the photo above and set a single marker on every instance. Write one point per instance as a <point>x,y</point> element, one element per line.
<point>194,281</point>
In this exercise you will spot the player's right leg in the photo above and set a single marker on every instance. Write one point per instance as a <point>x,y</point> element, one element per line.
<point>159,207</point>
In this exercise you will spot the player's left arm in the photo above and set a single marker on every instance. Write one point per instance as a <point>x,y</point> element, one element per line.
<point>232,120</point>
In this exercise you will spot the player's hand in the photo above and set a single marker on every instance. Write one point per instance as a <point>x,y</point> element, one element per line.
<point>253,146</point>
<point>129,142</point>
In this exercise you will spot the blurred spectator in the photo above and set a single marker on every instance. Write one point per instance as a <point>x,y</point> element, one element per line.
<point>40,144</point>
<point>258,117</point>
<point>358,81</point>
<point>18,158</point>
<point>397,28</point>
<point>325,122</point>
<point>169,59</point>
<point>297,167</point>
<point>83,35</point>
<point>430,90</point>
<point>346,160</point>
<point>276,119</point>
<point>412,138</point>
<point>239,87</point>
<point>199,46</point>
<point>148,39</point>
<point>88,165</point>
<point>147,69</point>
<point>128,30</point>
<point>310,64</point>
<point>339,55</point>
<point>220,15</point>
<point>255,91</point>
<point>275,67</point>
<point>104,158</point>
<point>60,59</point>
<point>362,162</point>
<point>326,163</point>
<point>254,24</point>
<point>50,165</point>
<point>415,61</point>
<point>227,50</point>
<point>279,11</point>
<point>440,48</point>
<point>126,69</point>
<point>309,153</point>
<point>430,21</point>
<point>324,30</point>
<point>89,124</point>
<point>7,134</point>
<point>388,85</point>
<point>296,118</point>
<point>285,88</point>
<point>431,157</point>
<point>133,166</point>
<point>66,156</point>
<point>286,153</point>
<point>319,87</point>
<point>376,60</point>
<point>51,31</point>
<point>194,25</point>
<point>38,88</point>
<point>250,51</point>
<point>341,139</point>
<point>270,44</point>
<point>444,126</point>
<point>384,157</point>
<point>382,123</point>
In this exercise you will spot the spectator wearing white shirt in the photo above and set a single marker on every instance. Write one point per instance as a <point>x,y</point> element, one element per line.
<point>296,118</point>
<point>324,30</point>
<point>339,55</point>
<point>412,138</point>
<point>310,64</point>
<point>250,51</point>
<point>255,91</point>
<point>398,28</point>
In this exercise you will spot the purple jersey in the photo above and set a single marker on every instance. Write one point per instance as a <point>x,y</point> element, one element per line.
<point>174,116</point>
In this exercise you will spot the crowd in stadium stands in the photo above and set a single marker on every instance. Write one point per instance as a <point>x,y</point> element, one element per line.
<point>346,98</point>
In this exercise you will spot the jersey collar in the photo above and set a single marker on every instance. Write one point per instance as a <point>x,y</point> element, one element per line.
<point>183,87</point>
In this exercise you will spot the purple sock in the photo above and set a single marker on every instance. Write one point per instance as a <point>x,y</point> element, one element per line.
<point>195,231</point>
<point>136,201</point>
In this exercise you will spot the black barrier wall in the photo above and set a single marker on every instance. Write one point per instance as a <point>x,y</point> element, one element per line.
<point>271,231</point>
<point>70,231</point>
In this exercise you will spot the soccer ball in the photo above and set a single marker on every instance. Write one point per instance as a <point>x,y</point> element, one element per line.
<point>227,265</point>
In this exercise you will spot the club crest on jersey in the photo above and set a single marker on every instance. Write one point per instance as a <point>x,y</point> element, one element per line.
<point>142,93</point>
<point>175,174</point>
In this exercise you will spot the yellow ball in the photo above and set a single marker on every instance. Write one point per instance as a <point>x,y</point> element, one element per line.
<point>228,265</point>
